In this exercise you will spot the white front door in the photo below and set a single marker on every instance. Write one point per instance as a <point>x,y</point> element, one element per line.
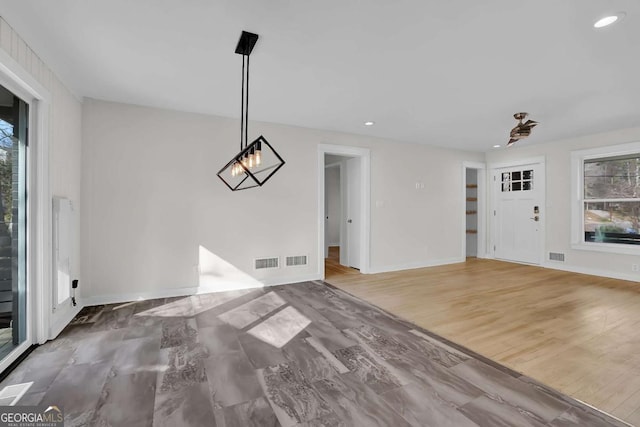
<point>519,193</point>
<point>353,212</point>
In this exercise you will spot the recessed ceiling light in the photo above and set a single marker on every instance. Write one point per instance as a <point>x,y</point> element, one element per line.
<point>608,20</point>
<point>369,123</point>
<point>496,146</point>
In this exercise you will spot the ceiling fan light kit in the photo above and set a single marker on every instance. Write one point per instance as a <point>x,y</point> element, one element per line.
<point>258,161</point>
<point>522,130</point>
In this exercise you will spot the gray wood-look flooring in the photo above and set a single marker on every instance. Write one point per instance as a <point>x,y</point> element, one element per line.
<point>305,354</point>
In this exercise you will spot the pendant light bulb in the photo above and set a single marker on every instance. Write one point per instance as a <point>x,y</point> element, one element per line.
<point>251,157</point>
<point>258,155</point>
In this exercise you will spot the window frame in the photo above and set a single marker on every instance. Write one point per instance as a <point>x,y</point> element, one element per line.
<point>577,199</point>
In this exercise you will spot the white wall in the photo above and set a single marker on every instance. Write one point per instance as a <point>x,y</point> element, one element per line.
<point>558,201</point>
<point>65,116</point>
<point>333,204</point>
<point>151,198</point>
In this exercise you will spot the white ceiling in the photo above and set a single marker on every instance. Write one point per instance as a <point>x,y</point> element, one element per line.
<point>448,73</point>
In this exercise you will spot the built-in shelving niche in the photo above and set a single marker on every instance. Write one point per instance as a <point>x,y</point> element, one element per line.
<point>472,211</point>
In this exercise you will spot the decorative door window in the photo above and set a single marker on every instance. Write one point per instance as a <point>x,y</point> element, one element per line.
<point>517,180</point>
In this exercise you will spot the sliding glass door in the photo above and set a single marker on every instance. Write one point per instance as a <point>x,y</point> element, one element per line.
<point>14,119</point>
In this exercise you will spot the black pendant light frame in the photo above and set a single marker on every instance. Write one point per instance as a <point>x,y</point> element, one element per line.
<point>238,165</point>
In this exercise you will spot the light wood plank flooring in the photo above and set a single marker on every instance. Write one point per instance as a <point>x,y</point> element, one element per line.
<point>579,334</point>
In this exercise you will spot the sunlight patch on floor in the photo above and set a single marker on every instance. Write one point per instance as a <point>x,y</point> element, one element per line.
<point>280,328</point>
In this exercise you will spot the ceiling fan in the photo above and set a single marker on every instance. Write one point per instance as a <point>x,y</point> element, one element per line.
<point>522,130</point>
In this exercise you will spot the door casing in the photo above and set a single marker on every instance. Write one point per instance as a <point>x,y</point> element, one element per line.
<point>365,202</point>
<point>482,206</point>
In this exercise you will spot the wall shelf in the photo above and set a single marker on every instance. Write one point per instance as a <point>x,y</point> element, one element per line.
<point>471,212</point>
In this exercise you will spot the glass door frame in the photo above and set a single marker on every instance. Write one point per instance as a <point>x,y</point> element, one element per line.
<point>39,247</point>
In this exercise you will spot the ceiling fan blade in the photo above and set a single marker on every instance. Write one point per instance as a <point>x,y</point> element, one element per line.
<point>531,123</point>
<point>511,142</point>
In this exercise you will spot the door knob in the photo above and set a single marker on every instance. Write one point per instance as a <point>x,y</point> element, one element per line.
<point>349,221</point>
<point>535,218</point>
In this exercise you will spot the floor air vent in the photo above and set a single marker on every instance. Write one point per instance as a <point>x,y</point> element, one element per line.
<point>556,256</point>
<point>10,395</point>
<point>262,263</point>
<point>296,260</point>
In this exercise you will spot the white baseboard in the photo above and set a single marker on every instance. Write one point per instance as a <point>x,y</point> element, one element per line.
<point>187,291</point>
<point>159,293</point>
<point>582,270</point>
<point>291,280</point>
<point>592,271</point>
<point>63,320</point>
<point>414,265</point>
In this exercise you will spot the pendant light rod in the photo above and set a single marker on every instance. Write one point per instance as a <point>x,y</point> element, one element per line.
<point>245,47</point>
<point>246,108</point>
<point>242,110</point>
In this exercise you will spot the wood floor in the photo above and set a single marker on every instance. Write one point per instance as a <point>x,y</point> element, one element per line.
<point>579,334</point>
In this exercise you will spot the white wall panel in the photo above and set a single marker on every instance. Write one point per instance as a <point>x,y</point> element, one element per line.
<point>65,114</point>
<point>151,200</point>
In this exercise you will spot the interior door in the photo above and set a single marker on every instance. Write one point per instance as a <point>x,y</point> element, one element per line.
<point>326,214</point>
<point>517,216</point>
<point>353,212</point>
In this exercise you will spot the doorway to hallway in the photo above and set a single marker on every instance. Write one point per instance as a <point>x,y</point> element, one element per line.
<point>344,211</point>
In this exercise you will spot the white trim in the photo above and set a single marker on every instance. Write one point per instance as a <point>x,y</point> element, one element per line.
<point>188,291</point>
<point>474,165</point>
<point>23,84</point>
<point>633,277</point>
<point>492,167</point>
<point>290,280</point>
<point>519,162</point>
<point>577,210</point>
<point>13,355</point>
<point>20,81</point>
<point>62,319</point>
<point>365,201</point>
<point>42,218</point>
<point>420,264</point>
<point>481,207</point>
<point>138,296</point>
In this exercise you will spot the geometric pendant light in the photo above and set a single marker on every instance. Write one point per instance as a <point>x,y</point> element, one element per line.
<point>258,161</point>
